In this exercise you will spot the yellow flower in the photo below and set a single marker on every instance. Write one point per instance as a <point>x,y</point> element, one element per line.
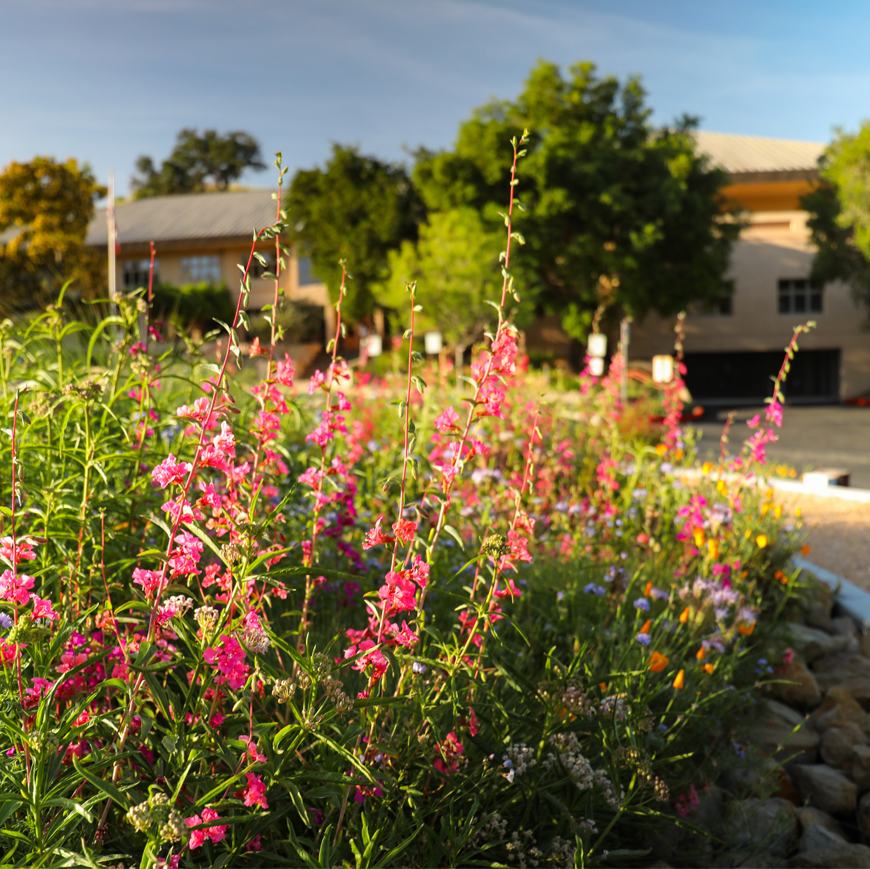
<point>678,454</point>
<point>713,547</point>
<point>761,540</point>
<point>777,511</point>
<point>706,468</point>
<point>748,534</point>
<point>721,487</point>
<point>661,449</point>
<point>678,682</point>
<point>798,512</point>
<point>698,534</point>
<point>764,508</point>
<point>708,667</point>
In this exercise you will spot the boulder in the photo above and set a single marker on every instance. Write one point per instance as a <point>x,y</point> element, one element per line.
<point>817,836</point>
<point>837,744</point>
<point>845,665</point>
<point>863,815</point>
<point>773,709</point>
<point>825,788</point>
<point>860,771</point>
<point>838,708</point>
<point>810,816</point>
<point>785,742</point>
<point>798,686</point>
<point>844,626</point>
<point>770,825</point>
<point>812,644</point>
<point>833,857</point>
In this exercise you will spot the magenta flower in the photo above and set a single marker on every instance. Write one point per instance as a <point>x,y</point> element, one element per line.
<point>42,609</point>
<point>446,422</point>
<point>169,471</point>
<point>15,589</point>
<point>255,792</point>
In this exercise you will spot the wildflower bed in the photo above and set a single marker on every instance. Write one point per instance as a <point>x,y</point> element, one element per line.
<point>376,625</point>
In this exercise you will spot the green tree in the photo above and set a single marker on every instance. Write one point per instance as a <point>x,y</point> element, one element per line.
<point>616,211</point>
<point>45,208</point>
<point>356,208</point>
<point>839,210</point>
<point>198,163</point>
<point>455,263</point>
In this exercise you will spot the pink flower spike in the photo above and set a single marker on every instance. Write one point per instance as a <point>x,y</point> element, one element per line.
<point>255,793</point>
<point>43,609</point>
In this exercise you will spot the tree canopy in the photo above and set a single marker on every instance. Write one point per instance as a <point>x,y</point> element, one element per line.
<point>356,208</point>
<point>198,163</point>
<point>45,208</point>
<point>616,211</point>
<point>456,264</point>
<point>839,210</point>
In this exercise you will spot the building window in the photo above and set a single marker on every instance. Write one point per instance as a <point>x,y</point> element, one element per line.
<point>136,273</point>
<point>201,269</point>
<point>305,275</point>
<point>799,296</point>
<point>719,306</point>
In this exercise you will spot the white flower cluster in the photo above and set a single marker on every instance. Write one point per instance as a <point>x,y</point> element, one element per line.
<point>615,706</point>
<point>579,769</point>
<point>518,759</point>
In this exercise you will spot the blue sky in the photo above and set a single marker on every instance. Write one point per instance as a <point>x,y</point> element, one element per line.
<point>107,80</point>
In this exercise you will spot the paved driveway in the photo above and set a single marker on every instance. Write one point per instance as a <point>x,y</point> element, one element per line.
<point>810,437</point>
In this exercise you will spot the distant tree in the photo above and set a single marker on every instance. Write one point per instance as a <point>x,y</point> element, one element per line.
<point>198,163</point>
<point>617,211</point>
<point>839,219</point>
<point>45,208</point>
<point>356,208</point>
<point>455,263</point>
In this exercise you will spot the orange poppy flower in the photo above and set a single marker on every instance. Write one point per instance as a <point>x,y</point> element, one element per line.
<point>806,549</point>
<point>648,589</point>
<point>661,449</point>
<point>602,686</point>
<point>678,682</point>
<point>746,629</point>
<point>658,662</point>
<point>764,509</point>
<point>701,652</point>
<point>646,626</point>
<point>708,667</point>
<point>684,615</point>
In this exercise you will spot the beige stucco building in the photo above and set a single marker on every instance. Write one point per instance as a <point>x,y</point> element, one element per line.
<point>204,237</point>
<point>732,348</point>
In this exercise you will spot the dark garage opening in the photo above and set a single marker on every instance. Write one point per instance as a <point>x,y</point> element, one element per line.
<point>814,376</point>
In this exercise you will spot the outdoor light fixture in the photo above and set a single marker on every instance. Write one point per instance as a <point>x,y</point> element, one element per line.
<point>596,366</point>
<point>374,344</point>
<point>596,346</point>
<point>663,369</point>
<point>432,343</point>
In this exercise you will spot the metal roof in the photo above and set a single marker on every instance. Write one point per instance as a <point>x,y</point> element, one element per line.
<point>186,216</point>
<point>743,155</point>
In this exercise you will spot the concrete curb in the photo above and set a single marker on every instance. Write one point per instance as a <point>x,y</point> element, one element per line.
<point>843,493</point>
<point>850,600</point>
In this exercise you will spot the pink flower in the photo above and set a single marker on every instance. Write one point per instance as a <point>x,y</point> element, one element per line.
<point>754,422</point>
<point>405,529</point>
<point>255,792</point>
<point>23,549</point>
<point>198,837</point>
<point>774,413</point>
<point>42,609</point>
<point>225,442</point>
<point>15,589</point>
<point>446,422</point>
<point>419,572</point>
<point>376,536</point>
<point>252,751</point>
<point>169,471</point>
<point>397,593</point>
<point>229,661</point>
<point>198,412</point>
<point>285,371</point>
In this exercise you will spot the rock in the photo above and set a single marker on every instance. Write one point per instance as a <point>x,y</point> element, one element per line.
<point>838,708</point>
<point>844,626</point>
<point>799,686</point>
<point>863,814</point>
<point>812,644</point>
<point>810,816</point>
<point>845,665</point>
<point>833,857</point>
<point>773,709</point>
<point>826,788</point>
<point>860,771</point>
<point>763,825</point>
<point>837,744</point>
<point>784,742</point>
<point>864,645</point>
<point>817,836</point>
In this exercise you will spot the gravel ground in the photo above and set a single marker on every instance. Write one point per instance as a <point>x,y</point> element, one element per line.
<point>838,532</point>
